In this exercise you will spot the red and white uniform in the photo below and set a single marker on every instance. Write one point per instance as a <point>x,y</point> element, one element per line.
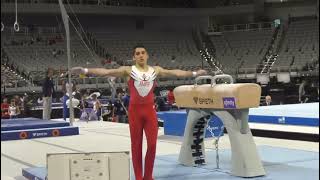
<point>142,116</point>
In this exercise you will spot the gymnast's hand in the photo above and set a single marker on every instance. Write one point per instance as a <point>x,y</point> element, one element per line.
<point>201,72</point>
<point>79,70</point>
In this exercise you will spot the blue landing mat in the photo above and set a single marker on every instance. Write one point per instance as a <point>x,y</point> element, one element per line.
<point>35,173</point>
<point>39,133</point>
<point>298,121</point>
<point>279,163</point>
<point>292,114</point>
<point>29,123</point>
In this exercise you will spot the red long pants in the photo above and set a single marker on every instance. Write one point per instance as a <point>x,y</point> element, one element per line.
<point>143,117</point>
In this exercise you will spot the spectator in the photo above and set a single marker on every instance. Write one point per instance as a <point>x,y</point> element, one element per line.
<point>18,103</point>
<point>120,112</point>
<point>65,89</point>
<point>27,103</point>
<point>48,92</point>
<point>83,105</point>
<point>108,111</point>
<point>14,110</point>
<point>54,53</point>
<point>5,109</point>
<point>86,94</point>
<point>96,106</point>
<point>170,97</point>
<point>160,104</point>
<point>268,101</point>
<point>302,92</point>
<point>126,99</point>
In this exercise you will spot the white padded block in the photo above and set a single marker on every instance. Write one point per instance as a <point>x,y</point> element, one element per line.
<point>89,166</point>
<point>119,167</point>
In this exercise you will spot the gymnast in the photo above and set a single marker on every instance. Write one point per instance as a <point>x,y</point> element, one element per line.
<point>142,115</point>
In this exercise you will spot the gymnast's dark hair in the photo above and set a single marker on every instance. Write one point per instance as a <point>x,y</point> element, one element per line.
<point>138,46</point>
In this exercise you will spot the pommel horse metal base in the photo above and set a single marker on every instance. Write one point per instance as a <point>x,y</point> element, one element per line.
<point>231,103</point>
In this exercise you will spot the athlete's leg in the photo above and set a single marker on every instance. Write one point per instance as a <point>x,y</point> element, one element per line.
<point>151,131</point>
<point>45,113</point>
<point>136,133</point>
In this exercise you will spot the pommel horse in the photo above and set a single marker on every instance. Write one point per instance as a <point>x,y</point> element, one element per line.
<point>229,102</point>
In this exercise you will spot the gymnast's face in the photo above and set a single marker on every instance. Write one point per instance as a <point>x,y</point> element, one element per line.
<point>141,56</point>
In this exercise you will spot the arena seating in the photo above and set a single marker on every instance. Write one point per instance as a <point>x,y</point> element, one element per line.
<point>301,44</point>
<point>9,78</point>
<point>165,49</point>
<point>245,49</point>
<point>39,55</point>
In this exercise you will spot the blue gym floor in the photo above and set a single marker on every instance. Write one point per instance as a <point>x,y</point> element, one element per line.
<point>279,163</point>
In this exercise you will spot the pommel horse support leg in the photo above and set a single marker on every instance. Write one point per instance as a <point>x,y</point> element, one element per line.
<point>192,151</point>
<point>231,103</point>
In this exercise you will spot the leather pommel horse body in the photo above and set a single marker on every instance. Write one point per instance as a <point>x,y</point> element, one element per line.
<point>231,103</point>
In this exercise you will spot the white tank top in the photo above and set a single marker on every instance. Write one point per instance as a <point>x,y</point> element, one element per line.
<point>143,81</point>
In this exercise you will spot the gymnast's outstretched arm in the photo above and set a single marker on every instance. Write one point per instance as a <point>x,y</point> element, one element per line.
<point>178,73</point>
<point>122,71</point>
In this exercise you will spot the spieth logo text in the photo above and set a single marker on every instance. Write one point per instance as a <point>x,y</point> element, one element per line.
<point>40,134</point>
<point>229,102</point>
<point>199,100</point>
